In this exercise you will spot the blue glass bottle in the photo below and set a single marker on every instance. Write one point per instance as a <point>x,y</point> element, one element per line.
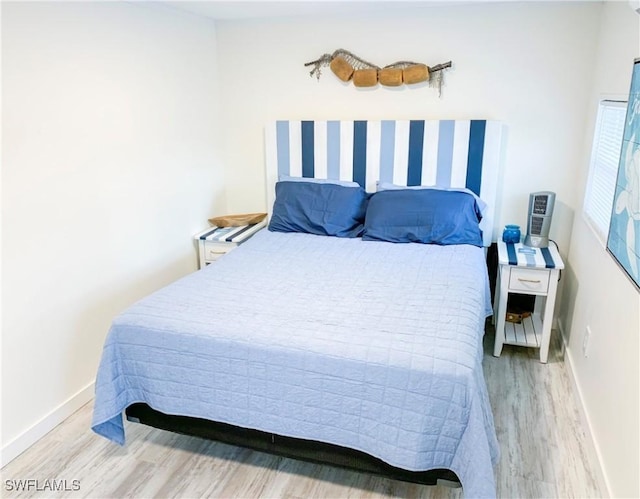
<point>511,234</point>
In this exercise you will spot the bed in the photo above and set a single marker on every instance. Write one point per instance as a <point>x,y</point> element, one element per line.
<point>330,344</point>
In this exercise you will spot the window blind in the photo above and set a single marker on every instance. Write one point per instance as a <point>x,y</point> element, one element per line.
<point>603,169</point>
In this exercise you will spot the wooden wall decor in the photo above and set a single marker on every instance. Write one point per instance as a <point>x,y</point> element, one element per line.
<point>349,67</point>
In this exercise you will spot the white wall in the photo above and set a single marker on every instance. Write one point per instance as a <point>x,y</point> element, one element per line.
<point>525,64</point>
<point>110,164</point>
<point>598,294</point>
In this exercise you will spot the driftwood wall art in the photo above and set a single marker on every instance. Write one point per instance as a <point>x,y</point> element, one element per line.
<point>350,67</point>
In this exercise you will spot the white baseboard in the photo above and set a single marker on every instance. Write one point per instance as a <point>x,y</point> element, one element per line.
<point>29,437</point>
<point>592,444</point>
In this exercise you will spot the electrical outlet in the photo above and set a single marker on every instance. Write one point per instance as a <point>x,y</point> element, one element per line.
<point>585,342</point>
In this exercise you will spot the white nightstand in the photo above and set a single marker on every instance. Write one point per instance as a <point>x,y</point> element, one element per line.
<point>527,271</point>
<point>215,242</point>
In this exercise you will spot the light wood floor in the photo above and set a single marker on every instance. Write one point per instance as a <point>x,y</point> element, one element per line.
<point>542,444</point>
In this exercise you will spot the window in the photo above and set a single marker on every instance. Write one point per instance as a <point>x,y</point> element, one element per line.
<point>605,155</point>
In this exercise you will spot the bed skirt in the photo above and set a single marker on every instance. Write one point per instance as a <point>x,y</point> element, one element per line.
<point>296,448</point>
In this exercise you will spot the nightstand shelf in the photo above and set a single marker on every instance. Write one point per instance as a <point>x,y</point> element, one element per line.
<point>526,334</point>
<point>527,271</point>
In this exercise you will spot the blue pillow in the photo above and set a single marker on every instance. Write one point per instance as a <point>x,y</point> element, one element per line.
<point>423,216</point>
<point>319,208</point>
<point>386,186</point>
<point>347,183</point>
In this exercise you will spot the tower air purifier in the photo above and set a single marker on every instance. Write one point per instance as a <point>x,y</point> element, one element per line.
<point>539,219</point>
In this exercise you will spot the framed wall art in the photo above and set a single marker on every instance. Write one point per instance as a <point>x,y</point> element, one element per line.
<point>624,230</point>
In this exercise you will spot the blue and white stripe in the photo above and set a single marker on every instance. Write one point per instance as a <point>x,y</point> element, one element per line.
<point>525,256</point>
<point>229,234</point>
<point>446,153</point>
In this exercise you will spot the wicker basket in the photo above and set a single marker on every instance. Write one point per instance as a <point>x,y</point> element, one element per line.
<point>341,68</point>
<point>416,73</point>
<point>390,77</point>
<point>365,77</point>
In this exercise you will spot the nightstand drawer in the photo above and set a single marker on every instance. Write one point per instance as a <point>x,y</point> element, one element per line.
<point>529,280</point>
<point>213,251</point>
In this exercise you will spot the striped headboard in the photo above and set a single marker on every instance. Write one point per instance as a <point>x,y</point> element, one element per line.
<point>447,153</point>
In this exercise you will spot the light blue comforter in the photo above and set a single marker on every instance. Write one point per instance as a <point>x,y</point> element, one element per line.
<point>369,345</point>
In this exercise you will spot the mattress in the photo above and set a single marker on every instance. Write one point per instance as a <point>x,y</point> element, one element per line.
<point>369,345</point>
